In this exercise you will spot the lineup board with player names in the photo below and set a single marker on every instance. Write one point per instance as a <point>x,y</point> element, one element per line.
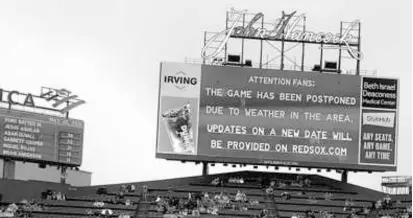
<point>40,138</point>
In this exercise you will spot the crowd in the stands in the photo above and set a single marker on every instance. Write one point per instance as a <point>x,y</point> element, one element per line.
<point>101,209</point>
<point>202,203</point>
<point>389,208</point>
<point>50,194</point>
<point>220,202</point>
<point>23,209</point>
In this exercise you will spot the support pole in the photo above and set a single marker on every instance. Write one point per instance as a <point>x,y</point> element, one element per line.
<point>205,170</point>
<point>261,42</point>
<point>358,49</point>
<point>242,41</point>
<point>339,50</point>
<point>9,168</point>
<point>63,174</point>
<point>344,176</point>
<point>282,47</point>
<point>321,57</point>
<point>303,49</point>
<point>226,27</point>
<point>205,41</point>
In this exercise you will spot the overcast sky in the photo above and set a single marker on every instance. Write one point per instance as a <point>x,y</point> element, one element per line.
<point>108,52</point>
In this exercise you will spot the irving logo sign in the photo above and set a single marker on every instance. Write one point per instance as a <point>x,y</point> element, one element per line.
<point>284,29</point>
<point>180,80</point>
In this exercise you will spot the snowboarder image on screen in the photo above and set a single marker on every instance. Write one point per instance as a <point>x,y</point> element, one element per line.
<point>179,129</point>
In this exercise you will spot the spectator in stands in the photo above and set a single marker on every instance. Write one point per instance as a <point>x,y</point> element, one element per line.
<point>59,196</point>
<point>102,191</point>
<point>128,202</point>
<point>225,198</point>
<point>123,215</point>
<point>26,208</point>
<point>120,195</point>
<point>272,184</point>
<point>405,215</point>
<point>206,195</point>
<point>5,213</point>
<point>145,192</point>
<point>309,214</point>
<point>98,204</point>
<point>328,196</point>
<point>387,203</point>
<point>198,196</point>
<point>254,202</point>
<point>312,200</point>
<point>295,216</point>
<point>122,188</point>
<point>10,211</point>
<point>269,190</point>
<point>327,214</point>
<point>286,196</point>
<point>106,212</point>
<point>281,185</point>
<point>158,199</point>
<point>378,204</point>
<point>47,194</point>
<point>214,210</point>
<point>301,193</point>
<point>240,197</point>
<point>131,188</point>
<point>299,182</point>
<point>170,191</point>
<point>348,205</point>
<point>216,181</point>
<point>307,183</point>
<point>264,213</point>
<point>89,212</point>
<point>195,213</point>
<point>236,180</point>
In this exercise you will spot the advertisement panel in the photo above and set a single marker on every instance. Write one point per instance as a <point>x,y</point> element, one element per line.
<point>272,117</point>
<point>40,138</point>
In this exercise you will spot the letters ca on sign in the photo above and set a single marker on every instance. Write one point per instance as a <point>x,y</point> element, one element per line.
<point>13,97</point>
<point>284,29</point>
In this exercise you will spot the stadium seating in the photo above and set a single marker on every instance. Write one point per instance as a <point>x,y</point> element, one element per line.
<point>80,203</point>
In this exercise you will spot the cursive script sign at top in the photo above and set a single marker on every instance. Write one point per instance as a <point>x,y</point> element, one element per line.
<point>284,29</point>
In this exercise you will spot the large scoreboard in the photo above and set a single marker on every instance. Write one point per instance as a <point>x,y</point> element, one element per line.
<point>40,138</point>
<point>276,117</point>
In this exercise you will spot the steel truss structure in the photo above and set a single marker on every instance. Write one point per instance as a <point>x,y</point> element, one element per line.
<point>282,45</point>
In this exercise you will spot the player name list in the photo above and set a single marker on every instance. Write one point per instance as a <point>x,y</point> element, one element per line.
<point>40,138</point>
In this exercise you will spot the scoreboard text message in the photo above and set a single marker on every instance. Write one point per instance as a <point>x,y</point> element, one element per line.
<point>38,138</point>
<point>274,117</point>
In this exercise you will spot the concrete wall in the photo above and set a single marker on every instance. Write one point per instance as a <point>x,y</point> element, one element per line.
<point>30,171</point>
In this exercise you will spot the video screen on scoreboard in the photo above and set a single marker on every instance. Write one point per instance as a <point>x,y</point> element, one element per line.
<point>274,117</point>
<point>40,138</point>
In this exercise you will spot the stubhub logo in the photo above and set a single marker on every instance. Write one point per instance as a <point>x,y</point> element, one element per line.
<point>181,80</point>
